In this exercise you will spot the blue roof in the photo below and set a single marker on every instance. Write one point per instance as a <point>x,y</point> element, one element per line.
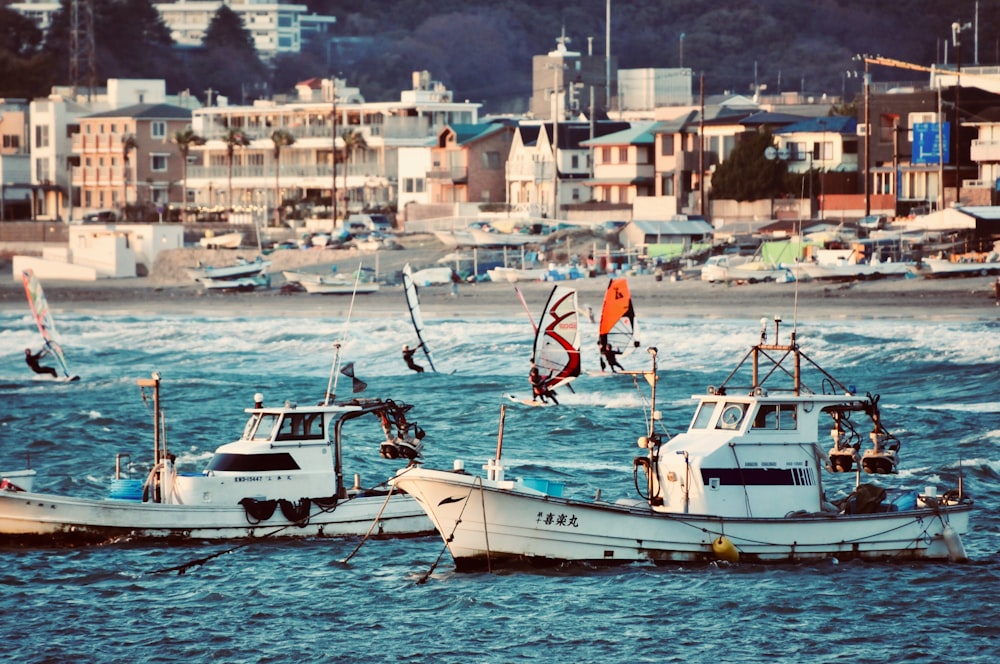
<point>840,124</point>
<point>640,133</point>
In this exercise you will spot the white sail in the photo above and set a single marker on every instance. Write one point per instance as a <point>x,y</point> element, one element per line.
<point>557,339</point>
<point>413,302</point>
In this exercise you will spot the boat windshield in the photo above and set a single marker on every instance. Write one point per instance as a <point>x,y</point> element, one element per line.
<point>260,426</point>
<point>775,416</point>
<point>704,415</point>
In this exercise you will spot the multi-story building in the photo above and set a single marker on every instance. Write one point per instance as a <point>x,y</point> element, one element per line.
<point>624,164</point>
<point>543,181</point>
<point>274,26</point>
<point>467,163</point>
<point>16,193</point>
<point>564,82</point>
<point>367,163</point>
<point>127,159</point>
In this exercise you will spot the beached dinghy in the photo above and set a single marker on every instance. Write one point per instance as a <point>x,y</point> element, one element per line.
<point>742,483</point>
<point>283,477</point>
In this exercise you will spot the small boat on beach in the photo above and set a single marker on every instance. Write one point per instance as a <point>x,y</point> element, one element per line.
<point>239,269</point>
<point>232,240</point>
<point>282,477</point>
<point>742,483</point>
<point>339,285</point>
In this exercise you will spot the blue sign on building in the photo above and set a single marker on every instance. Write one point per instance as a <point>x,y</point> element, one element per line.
<point>927,147</point>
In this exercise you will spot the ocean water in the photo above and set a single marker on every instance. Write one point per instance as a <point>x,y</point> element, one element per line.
<point>401,600</point>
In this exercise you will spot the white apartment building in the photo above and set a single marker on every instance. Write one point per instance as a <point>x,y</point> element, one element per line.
<point>274,26</point>
<point>368,177</point>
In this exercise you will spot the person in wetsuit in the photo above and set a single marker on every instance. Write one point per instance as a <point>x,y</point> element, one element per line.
<point>32,360</point>
<point>538,388</point>
<point>408,358</point>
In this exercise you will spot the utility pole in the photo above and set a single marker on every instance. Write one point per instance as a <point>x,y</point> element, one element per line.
<point>701,145</point>
<point>868,142</point>
<point>333,155</point>
<point>956,38</point>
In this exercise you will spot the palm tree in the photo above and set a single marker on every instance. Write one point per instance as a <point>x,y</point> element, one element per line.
<point>281,138</point>
<point>129,144</point>
<point>185,140</point>
<point>232,139</point>
<point>354,142</point>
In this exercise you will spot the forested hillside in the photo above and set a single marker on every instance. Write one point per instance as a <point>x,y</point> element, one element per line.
<point>482,49</point>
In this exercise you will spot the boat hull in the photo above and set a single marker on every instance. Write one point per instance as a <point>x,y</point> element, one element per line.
<point>486,524</point>
<point>326,287</point>
<point>34,518</point>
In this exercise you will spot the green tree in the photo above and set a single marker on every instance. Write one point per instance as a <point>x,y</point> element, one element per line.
<point>747,174</point>
<point>281,139</point>
<point>354,143</point>
<point>185,139</point>
<point>228,62</point>
<point>25,70</point>
<point>129,145</point>
<point>234,138</point>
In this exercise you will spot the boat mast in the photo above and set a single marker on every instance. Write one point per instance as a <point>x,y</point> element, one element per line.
<point>154,383</point>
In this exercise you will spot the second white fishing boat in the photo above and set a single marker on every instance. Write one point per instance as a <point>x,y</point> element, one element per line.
<point>742,483</point>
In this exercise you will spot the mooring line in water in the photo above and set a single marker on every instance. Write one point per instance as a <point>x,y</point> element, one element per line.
<point>371,527</point>
<point>422,580</point>
<point>184,567</point>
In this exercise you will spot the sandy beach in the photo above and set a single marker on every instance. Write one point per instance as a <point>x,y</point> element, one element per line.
<point>168,290</point>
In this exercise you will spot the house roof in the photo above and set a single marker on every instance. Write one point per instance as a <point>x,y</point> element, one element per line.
<point>770,118</point>
<point>672,227</point>
<point>840,124</point>
<point>572,134</point>
<point>465,133</point>
<point>640,133</point>
<point>146,111</point>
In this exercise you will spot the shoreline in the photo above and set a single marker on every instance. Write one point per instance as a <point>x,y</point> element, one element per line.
<point>915,299</point>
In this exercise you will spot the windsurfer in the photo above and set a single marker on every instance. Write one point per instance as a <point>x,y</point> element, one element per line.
<point>610,355</point>
<point>33,359</point>
<point>538,388</point>
<point>408,358</point>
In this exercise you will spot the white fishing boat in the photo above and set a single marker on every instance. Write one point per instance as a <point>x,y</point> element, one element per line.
<point>413,305</point>
<point>742,483</point>
<point>239,269</point>
<point>974,264</point>
<point>282,477</point>
<point>556,349</point>
<point>42,315</point>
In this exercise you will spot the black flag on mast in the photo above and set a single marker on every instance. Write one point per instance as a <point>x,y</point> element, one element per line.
<point>357,385</point>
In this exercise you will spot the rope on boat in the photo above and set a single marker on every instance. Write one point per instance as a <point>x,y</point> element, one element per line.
<point>451,536</point>
<point>371,527</point>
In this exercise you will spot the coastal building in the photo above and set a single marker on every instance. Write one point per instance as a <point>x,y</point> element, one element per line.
<point>467,163</point>
<point>15,161</point>
<point>624,166</point>
<point>564,82</point>
<point>368,137</point>
<point>127,160</point>
<point>542,180</point>
<point>275,27</point>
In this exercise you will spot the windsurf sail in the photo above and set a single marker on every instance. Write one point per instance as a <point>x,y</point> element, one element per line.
<point>618,325</point>
<point>557,339</point>
<point>43,317</point>
<point>413,302</point>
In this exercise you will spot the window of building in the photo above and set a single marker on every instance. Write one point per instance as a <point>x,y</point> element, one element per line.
<point>11,141</point>
<point>576,194</point>
<point>41,136</point>
<point>575,161</point>
<point>42,170</point>
<point>158,162</point>
<point>605,155</point>
<point>491,161</point>
<point>622,155</point>
<point>667,145</point>
<point>667,183</point>
<point>158,129</point>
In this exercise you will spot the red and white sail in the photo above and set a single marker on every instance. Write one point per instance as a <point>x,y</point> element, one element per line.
<point>557,339</point>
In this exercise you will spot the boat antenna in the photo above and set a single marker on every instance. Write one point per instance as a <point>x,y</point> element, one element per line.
<point>795,303</point>
<point>331,385</point>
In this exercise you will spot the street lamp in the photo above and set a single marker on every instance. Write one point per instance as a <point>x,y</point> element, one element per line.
<point>868,87</point>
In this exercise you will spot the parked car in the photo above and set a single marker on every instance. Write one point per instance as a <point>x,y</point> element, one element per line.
<point>101,217</point>
<point>872,222</point>
<point>361,224</point>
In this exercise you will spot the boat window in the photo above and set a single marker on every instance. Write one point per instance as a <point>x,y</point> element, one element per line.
<point>245,463</point>
<point>732,415</point>
<point>776,416</point>
<point>260,427</point>
<point>704,415</point>
<point>301,426</point>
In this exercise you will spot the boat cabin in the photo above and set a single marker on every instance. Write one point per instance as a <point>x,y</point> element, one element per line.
<point>748,456</point>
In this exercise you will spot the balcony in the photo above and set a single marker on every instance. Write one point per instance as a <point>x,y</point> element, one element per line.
<point>455,174</point>
<point>985,151</point>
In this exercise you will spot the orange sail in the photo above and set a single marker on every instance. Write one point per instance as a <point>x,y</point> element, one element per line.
<point>618,325</point>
